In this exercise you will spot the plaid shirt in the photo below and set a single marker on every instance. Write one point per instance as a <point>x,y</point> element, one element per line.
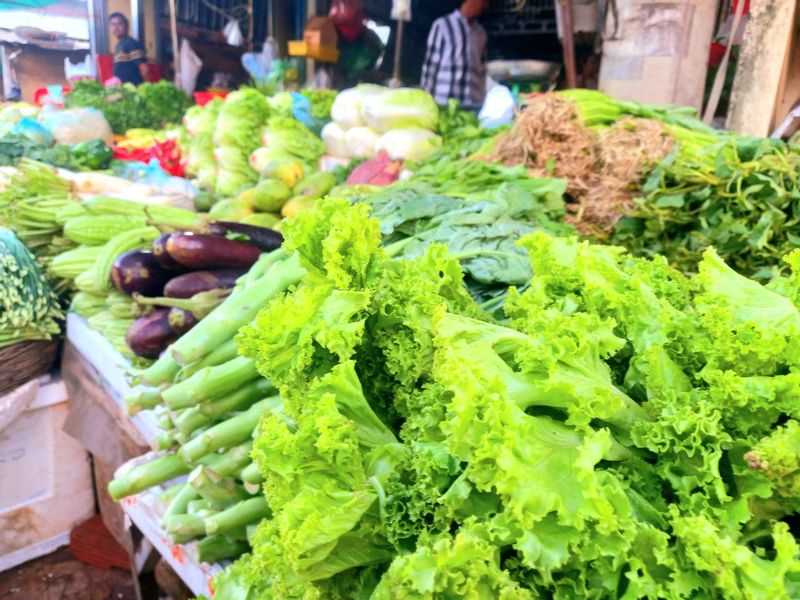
<point>455,62</point>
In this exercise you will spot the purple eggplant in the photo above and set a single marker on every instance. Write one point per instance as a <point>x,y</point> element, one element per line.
<point>263,237</point>
<point>181,320</point>
<point>203,251</point>
<point>162,256</point>
<point>186,286</point>
<point>150,335</point>
<point>138,271</point>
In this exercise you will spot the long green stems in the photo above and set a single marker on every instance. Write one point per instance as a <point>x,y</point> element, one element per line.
<point>251,474</point>
<point>231,432</point>
<point>144,476</point>
<point>211,383</point>
<point>180,503</point>
<point>240,308</point>
<point>215,489</point>
<point>232,461</point>
<point>218,547</point>
<point>205,413</point>
<point>239,515</point>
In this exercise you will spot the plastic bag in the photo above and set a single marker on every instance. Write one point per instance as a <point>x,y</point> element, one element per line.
<point>83,70</point>
<point>233,33</point>
<point>190,67</point>
<point>301,110</point>
<point>498,107</point>
<point>77,125</point>
<point>32,130</point>
<point>258,65</point>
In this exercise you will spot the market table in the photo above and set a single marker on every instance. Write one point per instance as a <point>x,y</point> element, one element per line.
<point>103,368</point>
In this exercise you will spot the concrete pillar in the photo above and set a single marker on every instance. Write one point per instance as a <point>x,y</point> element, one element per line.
<point>763,63</point>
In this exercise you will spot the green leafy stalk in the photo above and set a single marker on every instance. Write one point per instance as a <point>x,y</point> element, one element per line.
<point>239,515</point>
<point>230,432</point>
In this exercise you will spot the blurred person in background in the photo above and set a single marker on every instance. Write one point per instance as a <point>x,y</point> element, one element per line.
<point>360,48</point>
<point>455,60</point>
<point>130,64</point>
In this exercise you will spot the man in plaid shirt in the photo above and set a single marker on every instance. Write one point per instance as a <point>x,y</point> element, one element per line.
<point>455,62</point>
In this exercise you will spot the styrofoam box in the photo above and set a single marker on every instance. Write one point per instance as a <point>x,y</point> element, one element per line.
<point>45,480</point>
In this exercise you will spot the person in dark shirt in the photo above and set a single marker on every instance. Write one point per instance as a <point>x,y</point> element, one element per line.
<point>130,65</point>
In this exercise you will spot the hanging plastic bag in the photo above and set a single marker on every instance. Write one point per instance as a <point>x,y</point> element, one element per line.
<point>259,64</point>
<point>84,70</point>
<point>233,33</point>
<point>190,67</point>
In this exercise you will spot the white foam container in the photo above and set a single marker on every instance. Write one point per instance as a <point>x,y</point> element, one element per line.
<point>45,479</point>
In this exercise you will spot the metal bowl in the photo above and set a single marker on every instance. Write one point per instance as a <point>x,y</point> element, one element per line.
<point>530,70</point>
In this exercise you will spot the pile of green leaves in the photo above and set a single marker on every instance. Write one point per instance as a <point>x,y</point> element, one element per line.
<point>197,143</point>
<point>321,102</point>
<point>237,131</point>
<point>84,156</point>
<point>480,230</point>
<point>460,177</point>
<point>462,134</point>
<point>148,106</point>
<point>624,432</point>
<point>741,196</point>
<point>167,103</point>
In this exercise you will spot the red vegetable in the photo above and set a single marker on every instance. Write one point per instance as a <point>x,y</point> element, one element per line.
<point>138,271</point>
<point>378,170</point>
<point>202,251</point>
<point>150,335</point>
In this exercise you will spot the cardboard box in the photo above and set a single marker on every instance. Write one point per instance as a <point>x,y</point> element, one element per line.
<point>47,483</point>
<point>320,32</point>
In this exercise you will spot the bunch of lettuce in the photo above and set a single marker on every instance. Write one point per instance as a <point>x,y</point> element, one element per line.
<point>199,124</point>
<point>623,432</point>
<point>286,138</point>
<point>241,118</point>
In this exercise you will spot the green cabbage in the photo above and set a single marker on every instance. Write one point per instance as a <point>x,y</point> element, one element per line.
<point>241,117</point>
<point>403,108</point>
<point>409,144</point>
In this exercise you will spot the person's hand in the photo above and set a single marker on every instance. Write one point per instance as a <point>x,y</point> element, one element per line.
<point>144,71</point>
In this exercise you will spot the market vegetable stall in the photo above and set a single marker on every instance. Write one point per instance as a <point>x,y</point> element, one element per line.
<point>364,396</point>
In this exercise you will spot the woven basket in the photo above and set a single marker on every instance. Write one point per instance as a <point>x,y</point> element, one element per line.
<point>21,362</point>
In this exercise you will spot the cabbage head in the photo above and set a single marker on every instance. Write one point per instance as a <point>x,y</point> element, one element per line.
<point>403,108</point>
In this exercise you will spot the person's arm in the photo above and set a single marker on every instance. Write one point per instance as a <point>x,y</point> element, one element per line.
<point>144,70</point>
<point>432,57</point>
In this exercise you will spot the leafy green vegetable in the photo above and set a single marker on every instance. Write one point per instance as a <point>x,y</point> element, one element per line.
<point>122,106</point>
<point>623,432</point>
<point>739,196</point>
<point>167,104</point>
<point>148,106</point>
<point>321,102</point>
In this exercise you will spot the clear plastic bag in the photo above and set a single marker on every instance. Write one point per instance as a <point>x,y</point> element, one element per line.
<point>77,125</point>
